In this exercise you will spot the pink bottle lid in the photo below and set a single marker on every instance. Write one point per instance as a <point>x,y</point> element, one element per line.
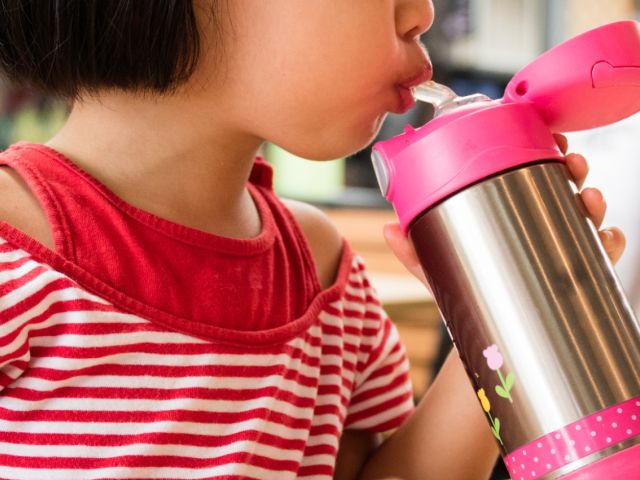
<point>588,81</point>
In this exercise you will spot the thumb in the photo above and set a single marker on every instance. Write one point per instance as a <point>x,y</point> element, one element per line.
<point>403,250</point>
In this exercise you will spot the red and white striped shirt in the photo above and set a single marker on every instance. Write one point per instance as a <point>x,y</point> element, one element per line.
<point>95,384</point>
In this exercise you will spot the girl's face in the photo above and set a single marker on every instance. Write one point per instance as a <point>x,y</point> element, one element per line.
<point>317,77</point>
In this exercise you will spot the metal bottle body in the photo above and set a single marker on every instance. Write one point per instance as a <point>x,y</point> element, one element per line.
<point>516,266</point>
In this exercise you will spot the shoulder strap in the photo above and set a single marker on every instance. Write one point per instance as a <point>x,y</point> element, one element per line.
<point>262,174</point>
<point>40,174</point>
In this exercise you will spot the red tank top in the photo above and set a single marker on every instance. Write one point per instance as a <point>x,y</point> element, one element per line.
<point>204,284</point>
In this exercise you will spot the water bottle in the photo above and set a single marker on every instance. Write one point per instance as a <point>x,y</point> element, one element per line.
<point>528,294</point>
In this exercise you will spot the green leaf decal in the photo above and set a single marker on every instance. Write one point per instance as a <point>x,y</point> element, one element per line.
<point>496,425</point>
<point>502,392</point>
<point>508,382</point>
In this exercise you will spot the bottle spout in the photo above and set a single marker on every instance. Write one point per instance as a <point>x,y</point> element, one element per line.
<point>443,98</point>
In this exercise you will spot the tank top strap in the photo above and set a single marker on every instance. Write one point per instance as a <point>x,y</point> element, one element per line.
<point>44,179</point>
<point>292,238</point>
<point>262,174</point>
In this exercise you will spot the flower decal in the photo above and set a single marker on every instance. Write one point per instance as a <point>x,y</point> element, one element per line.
<point>495,422</point>
<point>493,356</point>
<point>495,361</point>
<point>484,401</point>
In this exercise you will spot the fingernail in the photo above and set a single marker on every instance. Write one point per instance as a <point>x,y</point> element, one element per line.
<point>608,234</point>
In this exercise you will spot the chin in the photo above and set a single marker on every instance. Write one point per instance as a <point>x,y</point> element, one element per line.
<point>344,143</point>
<point>339,141</point>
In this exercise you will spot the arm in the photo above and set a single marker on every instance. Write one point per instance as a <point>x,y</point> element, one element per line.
<point>356,446</point>
<point>447,433</point>
<point>325,244</point>
<point>433,430</point>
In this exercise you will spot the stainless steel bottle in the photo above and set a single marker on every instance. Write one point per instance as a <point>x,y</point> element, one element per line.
<point>513,262</point>
<point>529,296</point>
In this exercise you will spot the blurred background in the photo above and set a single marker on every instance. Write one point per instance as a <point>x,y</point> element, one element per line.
<point>475,46</point>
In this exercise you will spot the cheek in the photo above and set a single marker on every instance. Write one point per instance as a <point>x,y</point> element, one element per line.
<point>318,89</point>
<point>317,118</point>
<point>331,112</point>
<point>320,123</point>
<point>295,51</point>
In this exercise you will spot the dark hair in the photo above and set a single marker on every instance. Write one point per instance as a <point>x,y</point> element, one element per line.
<point>66,47</point>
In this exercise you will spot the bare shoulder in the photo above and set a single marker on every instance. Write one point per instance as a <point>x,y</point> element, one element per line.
<point>19,208</point>
<point>322,236</point>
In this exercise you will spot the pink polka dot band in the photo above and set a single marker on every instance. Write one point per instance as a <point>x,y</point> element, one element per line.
<point>579,439</point>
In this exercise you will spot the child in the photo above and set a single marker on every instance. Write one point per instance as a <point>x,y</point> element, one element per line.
<point>162,313</point>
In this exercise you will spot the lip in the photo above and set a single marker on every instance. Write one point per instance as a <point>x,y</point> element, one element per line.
<point>424,74</point>
<point>405,100</point>
<point>405,88</point>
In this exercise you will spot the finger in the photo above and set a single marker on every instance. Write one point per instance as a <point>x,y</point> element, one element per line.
<point>595,204</point>
<point>578,168</point>
<point>614,242</point>
<point>401,246</point>
<point>563,143</point>
<point>403,250</point>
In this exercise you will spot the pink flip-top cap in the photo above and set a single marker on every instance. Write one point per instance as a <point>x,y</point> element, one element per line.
<point>588,81</point>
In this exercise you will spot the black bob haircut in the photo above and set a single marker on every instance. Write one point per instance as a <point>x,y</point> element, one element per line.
<point>66,47</point>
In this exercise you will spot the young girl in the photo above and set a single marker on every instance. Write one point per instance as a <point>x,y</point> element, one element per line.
<point>162,314</point>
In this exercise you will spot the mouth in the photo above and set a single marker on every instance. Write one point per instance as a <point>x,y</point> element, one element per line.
<point>406,87</point>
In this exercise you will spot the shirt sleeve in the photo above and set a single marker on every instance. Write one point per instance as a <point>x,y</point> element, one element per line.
<point>17,270</point>
<point>382,397</point>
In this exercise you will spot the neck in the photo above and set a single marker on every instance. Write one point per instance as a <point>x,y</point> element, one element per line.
<point>160,156</point>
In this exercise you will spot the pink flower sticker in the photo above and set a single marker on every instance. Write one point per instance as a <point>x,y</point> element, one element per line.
<point>493,356</point>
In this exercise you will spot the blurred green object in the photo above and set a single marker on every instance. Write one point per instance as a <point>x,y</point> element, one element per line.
<point>33,122</point>
<point>37,125</point>
<point>302,179</point>
<point>6,132</point>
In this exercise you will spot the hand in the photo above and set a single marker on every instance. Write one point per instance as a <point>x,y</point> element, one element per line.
<point>612,238</point>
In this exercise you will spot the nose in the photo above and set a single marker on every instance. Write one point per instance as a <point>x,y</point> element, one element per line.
<point>413,18</point>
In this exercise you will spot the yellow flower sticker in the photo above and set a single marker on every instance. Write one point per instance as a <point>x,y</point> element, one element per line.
<point>486,406</point>
<point>495,422</point>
